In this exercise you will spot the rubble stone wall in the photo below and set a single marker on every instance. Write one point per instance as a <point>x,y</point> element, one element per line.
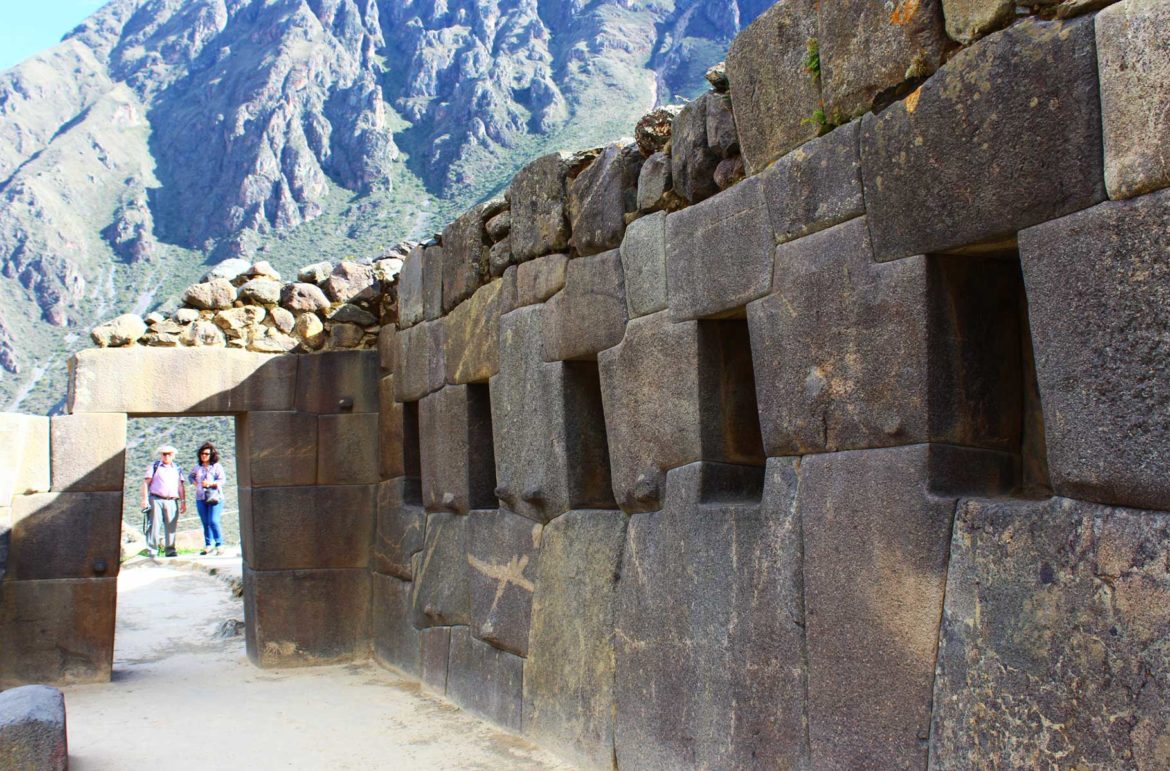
<point>823,426</point>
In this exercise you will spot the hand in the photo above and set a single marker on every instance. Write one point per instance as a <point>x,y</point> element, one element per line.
<point>183,506</point>
<point>145,504</point>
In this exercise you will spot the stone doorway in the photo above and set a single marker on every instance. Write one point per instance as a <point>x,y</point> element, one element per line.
<point>307,445</point>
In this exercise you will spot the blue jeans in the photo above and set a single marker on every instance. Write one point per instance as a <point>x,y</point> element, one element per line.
<point>210,516</point>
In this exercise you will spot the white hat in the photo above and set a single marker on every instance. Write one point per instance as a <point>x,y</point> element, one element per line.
<point>167,448</point>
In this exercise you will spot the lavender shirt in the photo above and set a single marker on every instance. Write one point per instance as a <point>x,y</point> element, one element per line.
<point>165,483</point>
<point>201,472</point>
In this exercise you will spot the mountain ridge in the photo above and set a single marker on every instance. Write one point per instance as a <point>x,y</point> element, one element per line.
<point>161,135</point>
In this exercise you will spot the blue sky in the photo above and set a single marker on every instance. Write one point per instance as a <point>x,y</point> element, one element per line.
<point>32,25</point>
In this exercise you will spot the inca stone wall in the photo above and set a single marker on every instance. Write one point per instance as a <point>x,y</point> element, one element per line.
<point>824,426</point>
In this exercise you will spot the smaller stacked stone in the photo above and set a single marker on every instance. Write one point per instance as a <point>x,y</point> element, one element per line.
<point>243,305</point>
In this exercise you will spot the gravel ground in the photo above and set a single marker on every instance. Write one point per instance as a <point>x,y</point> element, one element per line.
<point>184,696</point>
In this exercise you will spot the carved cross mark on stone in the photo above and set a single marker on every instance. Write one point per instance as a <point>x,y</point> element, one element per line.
<point>511,573</point>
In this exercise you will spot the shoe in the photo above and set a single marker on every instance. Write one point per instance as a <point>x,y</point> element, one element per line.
<point>218,551</point>
<point>206,551</point>
<point>151,553</point>
<point>172,553</point>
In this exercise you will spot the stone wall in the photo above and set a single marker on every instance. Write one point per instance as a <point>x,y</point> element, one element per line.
<point>853,462</point>
<point>823,427</point>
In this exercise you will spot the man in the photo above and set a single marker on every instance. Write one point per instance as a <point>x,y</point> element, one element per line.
<point>164,497</point>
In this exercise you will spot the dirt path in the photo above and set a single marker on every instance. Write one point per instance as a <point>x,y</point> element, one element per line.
<point>185,697</point>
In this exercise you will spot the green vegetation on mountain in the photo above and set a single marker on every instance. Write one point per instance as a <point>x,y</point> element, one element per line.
<point>162,136</point>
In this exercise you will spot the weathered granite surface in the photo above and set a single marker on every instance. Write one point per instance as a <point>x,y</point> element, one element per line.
<point>1055,646</point>
<point>1098,286</point>
<point>1007,134</point>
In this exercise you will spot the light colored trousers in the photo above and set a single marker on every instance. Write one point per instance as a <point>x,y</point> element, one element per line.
<point>163,520</point>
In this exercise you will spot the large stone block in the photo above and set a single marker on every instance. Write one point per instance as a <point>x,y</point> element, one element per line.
<point>710,624</point>
<point>1135,88</point>
<point>692,160</point>
<point>395,640</point>
<point>1023,145</point>
<point>675,394</point>
<point>650,386</point>
<point>816,186</point>
<point>401,527</point>
<point>165,381</point>
<point>465,256</point>
<point>458,465</point>
<point>338,381</point>
<point>420,366</point>
<point>484,680</point>
<point>600,196</point>
<point>277,448</point>
<point>304,618</point>
<point>435,652</point>
<point>26,442</point>
<point>58,631</point>
<point>869,49</point>
<point>719,253</point>
<point>549,429</point>
<point>432,282</point>
<point>88,452</point>
<point>440,591</point>
<point>1098,286</point>
<point>1057,622</point>
<point>655,187</point>
<point>877,530</point>
<point>392,449</point>
<point>969,20</point>
<point>65,535</point>
<point>502,554</point>
<point>291,528</point>
<point>643,255</point>
<point>347,449</point>
<point>410,289</point>
<point>851,354</point>
<point>32,729</point>
<point>540,279</point>
<point>387,347</point>
<point>568,676</point>
<point>473,332</point>
<point>540,222</point>
<point>773,96</point>
<point>589,314</point>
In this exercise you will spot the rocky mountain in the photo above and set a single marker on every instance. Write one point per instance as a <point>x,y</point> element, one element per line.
<point>163,134</point>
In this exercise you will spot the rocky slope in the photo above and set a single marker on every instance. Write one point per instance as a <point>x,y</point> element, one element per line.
<point>162,132</point>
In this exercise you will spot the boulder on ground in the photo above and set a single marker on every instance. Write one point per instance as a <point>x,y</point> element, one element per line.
<point>350,281</point>
<point>263,269</point>
<point>124,330</point>
<point>261,291</point>
<point>203,332</point>
<point>309,331</point>
<point>228,270</point>
<point>315,273</point>
<point>303,297</point>
<point>32,729</point>
<point>653,131</point>
<point>213,295</point>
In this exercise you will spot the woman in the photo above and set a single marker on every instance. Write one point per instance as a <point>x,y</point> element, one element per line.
<point>208,479</point>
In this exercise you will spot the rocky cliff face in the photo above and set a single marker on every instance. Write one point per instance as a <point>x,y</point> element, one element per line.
<point>159,126</point>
